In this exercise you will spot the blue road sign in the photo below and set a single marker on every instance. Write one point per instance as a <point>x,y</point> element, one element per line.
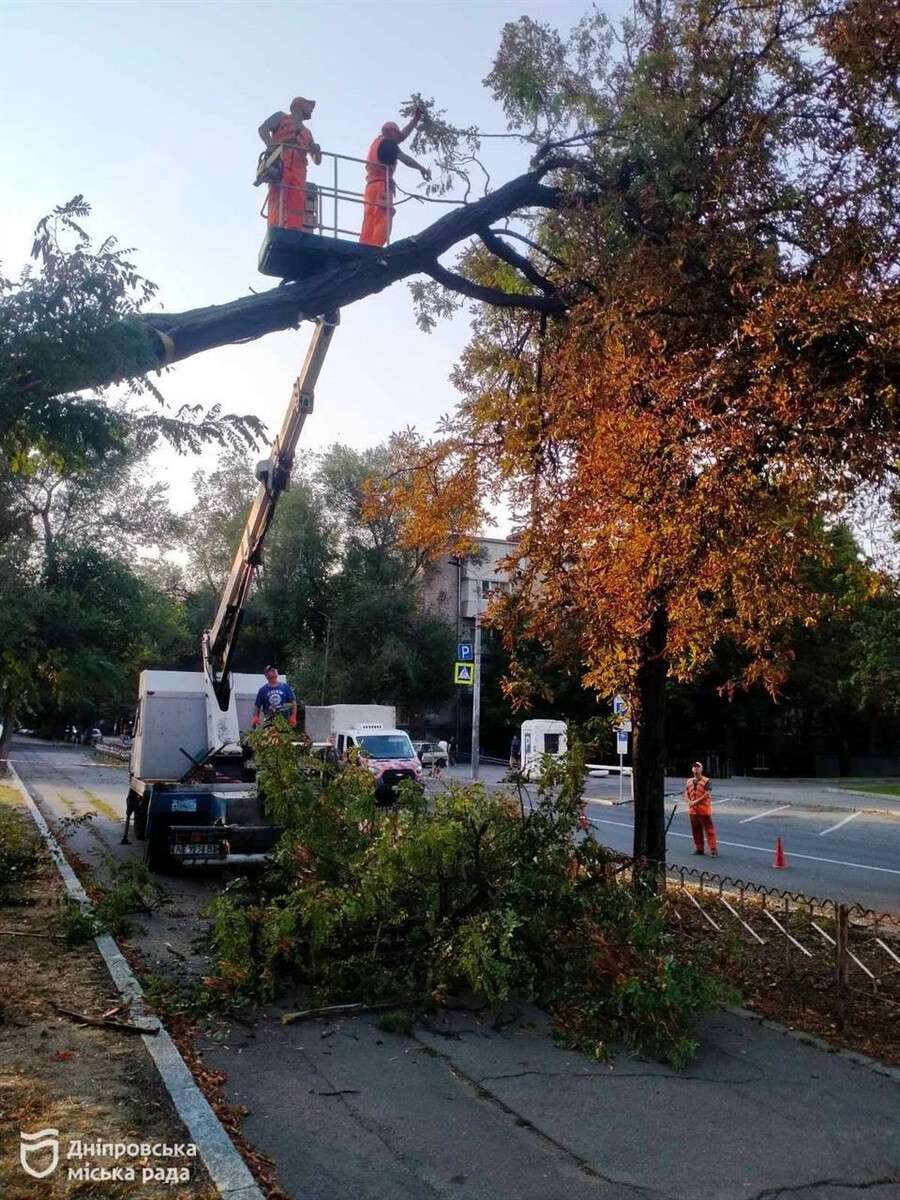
<point>465,651</point>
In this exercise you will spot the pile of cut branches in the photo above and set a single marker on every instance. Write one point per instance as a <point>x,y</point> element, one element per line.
<point>467,892</point>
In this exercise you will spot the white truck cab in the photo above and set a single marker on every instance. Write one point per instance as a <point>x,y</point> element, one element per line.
<point>371,730</point>
<point>540,737</point>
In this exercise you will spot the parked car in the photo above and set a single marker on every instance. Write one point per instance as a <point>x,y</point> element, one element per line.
<point>95,736</point>
<point>430,754</point>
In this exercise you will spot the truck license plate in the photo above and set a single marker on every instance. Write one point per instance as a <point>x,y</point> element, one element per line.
<point>199,849</point>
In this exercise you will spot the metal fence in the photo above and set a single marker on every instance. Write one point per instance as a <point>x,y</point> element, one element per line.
<point>845,949</point>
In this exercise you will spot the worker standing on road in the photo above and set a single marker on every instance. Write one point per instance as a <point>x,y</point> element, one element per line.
<point>274,699</point>
<point>382,159</point>
<point>287,196</point>
<point>698,797</point>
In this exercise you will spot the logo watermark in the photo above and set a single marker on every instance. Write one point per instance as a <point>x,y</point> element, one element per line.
<point>103,1162</point>
<point>30,1146</point>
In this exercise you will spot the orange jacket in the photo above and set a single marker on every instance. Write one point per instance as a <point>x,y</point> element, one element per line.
<point>374,168</point>
<point>287,134</point>
<point>698,794</point>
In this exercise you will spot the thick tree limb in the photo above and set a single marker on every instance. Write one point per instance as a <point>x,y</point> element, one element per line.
<point>520,237</point>
<point>477,291</point>
<point>170,337</point>
<point>517,260</point>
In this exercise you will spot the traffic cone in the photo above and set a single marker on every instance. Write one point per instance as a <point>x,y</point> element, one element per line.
<point>780,861</point>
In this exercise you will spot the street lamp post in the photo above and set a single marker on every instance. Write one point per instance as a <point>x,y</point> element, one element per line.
<point>476,700</point>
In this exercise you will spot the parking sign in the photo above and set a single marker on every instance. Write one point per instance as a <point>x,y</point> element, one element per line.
<point>465,652</point>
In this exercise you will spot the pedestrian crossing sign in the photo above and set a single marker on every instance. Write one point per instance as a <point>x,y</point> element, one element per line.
<point>464,673</point>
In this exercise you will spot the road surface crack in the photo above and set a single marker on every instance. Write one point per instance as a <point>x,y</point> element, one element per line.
<point>483,1093</point>
<point>848,1184</point>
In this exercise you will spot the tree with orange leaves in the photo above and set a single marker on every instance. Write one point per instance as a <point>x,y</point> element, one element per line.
<point>726,374</point>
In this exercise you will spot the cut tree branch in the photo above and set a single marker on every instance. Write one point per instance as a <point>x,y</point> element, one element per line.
<point>157,339</point>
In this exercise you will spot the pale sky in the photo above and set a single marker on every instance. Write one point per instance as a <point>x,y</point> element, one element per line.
<point>150,109</point>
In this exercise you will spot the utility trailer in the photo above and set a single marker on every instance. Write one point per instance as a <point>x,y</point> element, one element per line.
<point>192,788</point>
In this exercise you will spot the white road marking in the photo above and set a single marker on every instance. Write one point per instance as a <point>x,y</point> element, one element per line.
<point>832,828</point>
<point>837,862</point>
<point>768,813</point>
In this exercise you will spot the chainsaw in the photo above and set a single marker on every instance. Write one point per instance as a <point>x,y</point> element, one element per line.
<point>270,166</point>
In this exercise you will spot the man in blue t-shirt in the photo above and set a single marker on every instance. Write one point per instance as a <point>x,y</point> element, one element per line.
<point>274,699</point>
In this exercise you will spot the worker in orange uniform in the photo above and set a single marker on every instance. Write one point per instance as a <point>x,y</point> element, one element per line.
<point>287,197</point>
<point>383,156</point>
<point>698,795</point>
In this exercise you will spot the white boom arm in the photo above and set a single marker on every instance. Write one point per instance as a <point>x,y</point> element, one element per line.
<point>274,475</point>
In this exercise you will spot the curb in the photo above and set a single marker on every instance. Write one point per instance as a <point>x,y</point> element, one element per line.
<point>871,796</point>
<point>226,1168</point>
<point>810,1039</point>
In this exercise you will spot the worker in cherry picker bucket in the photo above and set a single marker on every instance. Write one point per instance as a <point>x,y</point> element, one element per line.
<point>274,699</point>
<point>287,202</point>
<point>381,161</point>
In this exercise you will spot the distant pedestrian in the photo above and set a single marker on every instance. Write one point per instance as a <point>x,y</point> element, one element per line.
<point>515,749</point>
<point>445,751</point>
<point>451,752</point>
<point>698,796</point>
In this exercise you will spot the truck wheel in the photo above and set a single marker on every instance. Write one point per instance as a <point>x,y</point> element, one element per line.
<point>156,853</point>
<point>140,817</point>
<point>441,764</point>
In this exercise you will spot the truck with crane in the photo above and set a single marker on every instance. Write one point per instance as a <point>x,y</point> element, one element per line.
<point>192,792</point>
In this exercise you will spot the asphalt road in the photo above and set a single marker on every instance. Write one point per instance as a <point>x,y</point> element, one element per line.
<point>834,846</point>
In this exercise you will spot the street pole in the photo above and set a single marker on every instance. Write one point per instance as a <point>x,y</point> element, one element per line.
<point>476,700</point>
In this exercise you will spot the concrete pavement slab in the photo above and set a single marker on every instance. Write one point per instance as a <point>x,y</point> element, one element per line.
<point>463,1110</point>
<point>373,1116</point>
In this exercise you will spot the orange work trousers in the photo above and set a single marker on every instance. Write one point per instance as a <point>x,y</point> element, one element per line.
<point>703,823</point>
<point>377,214</point>
<point>287,199</point>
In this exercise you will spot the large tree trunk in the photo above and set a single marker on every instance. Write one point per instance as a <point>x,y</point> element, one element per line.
<point>8,717</point>
<point>649,761</point>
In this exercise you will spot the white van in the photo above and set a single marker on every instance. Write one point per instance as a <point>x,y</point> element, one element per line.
<point>538,738</point>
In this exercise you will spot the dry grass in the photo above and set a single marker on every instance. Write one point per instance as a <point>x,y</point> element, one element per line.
<point>780,982</point>
<point>90,1084</point>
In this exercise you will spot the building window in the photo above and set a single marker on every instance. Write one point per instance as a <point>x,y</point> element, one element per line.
<point>493,585</point>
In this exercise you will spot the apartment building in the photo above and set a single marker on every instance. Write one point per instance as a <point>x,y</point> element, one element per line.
<point>457,589</point>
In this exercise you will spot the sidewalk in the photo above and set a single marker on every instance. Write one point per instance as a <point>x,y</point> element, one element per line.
<point>470,1113</point>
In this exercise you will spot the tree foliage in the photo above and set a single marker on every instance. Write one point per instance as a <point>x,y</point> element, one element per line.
<point>68,323</point>
<point>727,375</point>
<point>337,596</point>
<point>78,617</point>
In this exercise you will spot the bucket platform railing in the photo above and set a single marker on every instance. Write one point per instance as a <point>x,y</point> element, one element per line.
<point>327,230</point>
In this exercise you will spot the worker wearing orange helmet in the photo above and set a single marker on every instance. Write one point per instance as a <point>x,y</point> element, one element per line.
<point>287,196</point>
<point>381,161</point>
<point>698,796</point>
